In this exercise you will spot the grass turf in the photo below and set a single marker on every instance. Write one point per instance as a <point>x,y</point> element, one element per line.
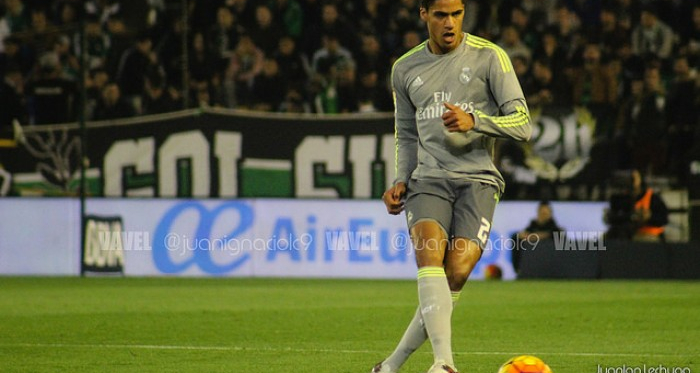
<point>289,325</point>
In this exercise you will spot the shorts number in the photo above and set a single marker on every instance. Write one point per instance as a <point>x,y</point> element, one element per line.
<point>484,229</point>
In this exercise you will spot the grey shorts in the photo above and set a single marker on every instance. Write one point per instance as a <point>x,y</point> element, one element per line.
<point>462,208</point>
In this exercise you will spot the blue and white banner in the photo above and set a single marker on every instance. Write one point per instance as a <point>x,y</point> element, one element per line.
<point>248,237</point>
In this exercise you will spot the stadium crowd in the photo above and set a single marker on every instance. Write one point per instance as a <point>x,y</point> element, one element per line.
<point>632,63</point>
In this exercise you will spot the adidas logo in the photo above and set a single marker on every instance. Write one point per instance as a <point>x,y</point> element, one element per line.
<point>417,82</point>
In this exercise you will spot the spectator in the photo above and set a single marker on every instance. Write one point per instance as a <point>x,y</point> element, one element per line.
<point>344,75</point>
<point>627,13</point>
<point>652,38</point>
<point>512,45</point>
<point>631,67</point>
<point>43,34</point>
<point>471,16</point>
<point>51,98</point>
<point>203,66</point>
<point>409,40</point>
<point>134,64</point>
<point>268,90</point>
<point>587,12</point>
<point>97,43</point>
<point>120,41</point>
<point>542,227</point>
<point>550,51</point>
<point>331,23</point>
<point>644,220</point>
<point>67,14</point>
<point>159,98</point>
<point>294,102</point>
<point>169,50</point>
<point>682,110</point>
<point>323,94</point>
<point>70,65</point>
<point>265,32</point>
<point>690,38</point>
<point>17,17</point>
<point>312,15</point>
<point>595,87</point>
<point>94,84</point>
<point>223,36</point>
<point>16,55</point>
<point>520,20</point>
<point>565,28</point>
<point>246,64</point>
<point>371,56</point>
<point>370,17</point>
<point>521,66</point>
<point>203,14</point>
<point>372,95</point>
<point>548,89</point>
<point>329,56</point>
<point>112,105</point>
<point>11,96</point>
<point>292,64</point>
<point>610,34</point>
<point>290,14</point>
<point>645,122</point>
<point>403,17</point>
<point>243,12</point>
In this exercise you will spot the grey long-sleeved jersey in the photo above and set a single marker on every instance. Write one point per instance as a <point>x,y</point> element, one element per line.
<point>477,76</point>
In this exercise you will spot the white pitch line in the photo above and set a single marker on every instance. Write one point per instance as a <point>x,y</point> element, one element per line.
<point>320,350</point>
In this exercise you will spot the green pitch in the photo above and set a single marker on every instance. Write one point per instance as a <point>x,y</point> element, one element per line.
<point>266,325</point>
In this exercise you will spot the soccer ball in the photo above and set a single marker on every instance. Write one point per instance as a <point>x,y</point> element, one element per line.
<point>525,364</point>
<point>493,272</point>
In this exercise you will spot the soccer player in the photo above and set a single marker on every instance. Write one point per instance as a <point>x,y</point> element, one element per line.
<point>454,94</point>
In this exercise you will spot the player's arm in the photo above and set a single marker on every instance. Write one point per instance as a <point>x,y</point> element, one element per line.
<point>406,131</point>
<point>406,135</point>
<point>513,120</point>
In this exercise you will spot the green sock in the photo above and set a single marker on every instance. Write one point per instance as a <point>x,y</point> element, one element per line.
<point>436,307</point>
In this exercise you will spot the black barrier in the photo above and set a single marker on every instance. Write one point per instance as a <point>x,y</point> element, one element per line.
<point>544,260</point>
<point>615,260</point>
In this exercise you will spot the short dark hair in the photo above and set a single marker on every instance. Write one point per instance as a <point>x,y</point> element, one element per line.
<point>425,4</point>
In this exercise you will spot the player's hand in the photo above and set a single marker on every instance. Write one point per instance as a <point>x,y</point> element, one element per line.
<point>393,198</point>
<point>457,120</point>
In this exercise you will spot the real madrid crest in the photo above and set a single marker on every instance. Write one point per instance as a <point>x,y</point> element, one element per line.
<point>466,75</point>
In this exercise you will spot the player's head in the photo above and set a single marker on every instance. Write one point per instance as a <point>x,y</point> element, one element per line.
<point>426,4</point>
<point>544,211</point>
<point>444,21</point>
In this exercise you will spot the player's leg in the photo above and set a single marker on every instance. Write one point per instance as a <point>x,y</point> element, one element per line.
<point>434,296</point>
<point>473,212</point>
<point>429,215</point>
<point>460,261</point>
<point>426,215</point>
<point>414,337</point>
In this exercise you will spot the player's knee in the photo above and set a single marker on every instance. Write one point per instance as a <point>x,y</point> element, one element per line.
<point>457,278</point>
<point>429,243</point>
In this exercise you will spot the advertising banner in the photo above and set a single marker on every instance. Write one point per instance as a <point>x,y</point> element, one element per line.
<point>103,246</point>
<point>244,237</point>
<point>302,238</point>
<point>217,153</point>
